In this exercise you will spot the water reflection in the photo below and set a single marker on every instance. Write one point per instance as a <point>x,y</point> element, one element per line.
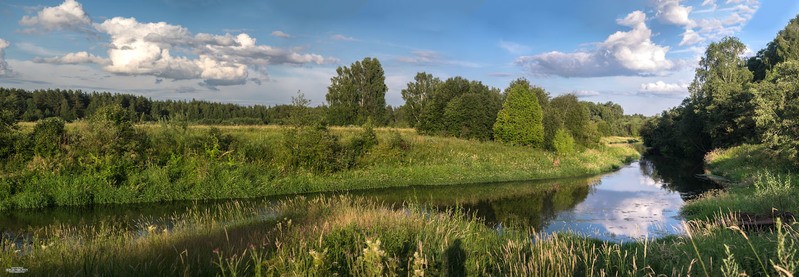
<point>641,199</point>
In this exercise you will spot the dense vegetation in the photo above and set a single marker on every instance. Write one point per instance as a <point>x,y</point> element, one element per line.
<point>108,159</point>
<point>736,100</point>
<point>351,236</point>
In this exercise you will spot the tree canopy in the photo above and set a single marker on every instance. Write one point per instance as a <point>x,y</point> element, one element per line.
<point>357,93</point>
<point>520,121</point>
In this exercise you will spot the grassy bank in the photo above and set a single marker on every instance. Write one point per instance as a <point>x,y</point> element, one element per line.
<point>352,236</point>
<point>88,164</point>
<point>760,181</point>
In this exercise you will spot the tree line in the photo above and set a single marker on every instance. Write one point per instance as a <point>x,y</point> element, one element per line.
<point>455,107</point>
<point>736,100</point>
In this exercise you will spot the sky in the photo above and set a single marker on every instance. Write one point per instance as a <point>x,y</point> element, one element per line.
<point>638,53</point>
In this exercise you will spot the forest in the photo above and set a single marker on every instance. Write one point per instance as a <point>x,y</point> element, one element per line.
<point>736,100</point>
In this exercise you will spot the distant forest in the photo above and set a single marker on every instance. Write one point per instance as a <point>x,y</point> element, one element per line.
<point>73,105</point>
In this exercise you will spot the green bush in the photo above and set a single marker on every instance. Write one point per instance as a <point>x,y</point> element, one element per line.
<point>313,149</point>
<point>47,136</point>
<point>563,142</point>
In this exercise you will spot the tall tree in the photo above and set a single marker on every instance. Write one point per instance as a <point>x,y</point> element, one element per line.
<point>431,119</point>
<point>357,93</point>
<point>777,111</point>
<point>520,121</point>
<point>720,93</point>
<point>416,94</point>
<point>574,117</point>
<point>784,47</point>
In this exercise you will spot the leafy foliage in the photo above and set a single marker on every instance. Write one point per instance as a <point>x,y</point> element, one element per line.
<point>783,48</point>
<point>357,93</point>
<point>777,100</point>
<point>47,136</point>
<point>416,95</point>
<point>520,120</point>
<point>568,113</point>
<point>563,142</point>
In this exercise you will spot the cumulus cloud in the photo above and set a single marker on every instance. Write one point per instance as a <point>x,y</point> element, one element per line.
<point>5,70</point>
<point>622,53</point>
<point>169,51</point>
<point>74,58</point>
<point>690,37</point>
<point>663,88</point>
<point>672,12</point>
<point>67,16</point>
<point>280,34</point>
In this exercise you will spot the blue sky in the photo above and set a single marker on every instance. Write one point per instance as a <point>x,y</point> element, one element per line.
<point>639,53</point>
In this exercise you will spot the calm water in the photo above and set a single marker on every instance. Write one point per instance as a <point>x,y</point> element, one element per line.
<point>641,199</point>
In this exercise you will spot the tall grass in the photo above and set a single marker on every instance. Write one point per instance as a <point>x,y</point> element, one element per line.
<point>345,235</point>
<point>764,181</point>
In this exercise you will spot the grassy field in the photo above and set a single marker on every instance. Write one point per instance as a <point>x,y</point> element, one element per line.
<point>209,162</point>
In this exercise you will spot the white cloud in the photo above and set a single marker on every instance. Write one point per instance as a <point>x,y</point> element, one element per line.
<point>169,51</point>
<point>67,16</point>
<point>342,37</point>
<point>280,34</point>
<point>671,12</point>
<point>716,22</point>
<point>5,69</point>
<point>663,88</point>
<point>514,48</point>
<point>74,58</point>
<point>622,53</point>
<point>690,37</point>
<point>585,93</point>
<point>709,3</point>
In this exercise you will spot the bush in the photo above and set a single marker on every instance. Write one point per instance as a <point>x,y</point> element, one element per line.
<point>47,136</point>
<point>563,142</point>
<point>311,148</point>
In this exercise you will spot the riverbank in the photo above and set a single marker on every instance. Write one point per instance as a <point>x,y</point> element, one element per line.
<point>347,235</point>
<point>171,163</point>
<point>759,181</point>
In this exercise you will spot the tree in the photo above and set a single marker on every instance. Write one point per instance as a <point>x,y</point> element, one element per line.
<point>416,94</point>
<point>568,113</point>
<point>520,121</point>
<point>784,47</point>
<point>720,95</point>
<point>357,93</point>
<point>431,119</point>
<point>777,112</point>
<point>472,115</point>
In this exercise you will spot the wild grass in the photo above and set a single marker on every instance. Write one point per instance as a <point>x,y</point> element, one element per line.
<point>345,235</point>
<point>208,162</point>
<point>764,183</point>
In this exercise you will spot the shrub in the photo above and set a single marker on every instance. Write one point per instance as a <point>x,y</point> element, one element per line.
<point>311,148</point>
<point>563,142</point>
<point>47,136</point>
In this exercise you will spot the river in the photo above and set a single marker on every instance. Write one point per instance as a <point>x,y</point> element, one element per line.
<point>641,199</point>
